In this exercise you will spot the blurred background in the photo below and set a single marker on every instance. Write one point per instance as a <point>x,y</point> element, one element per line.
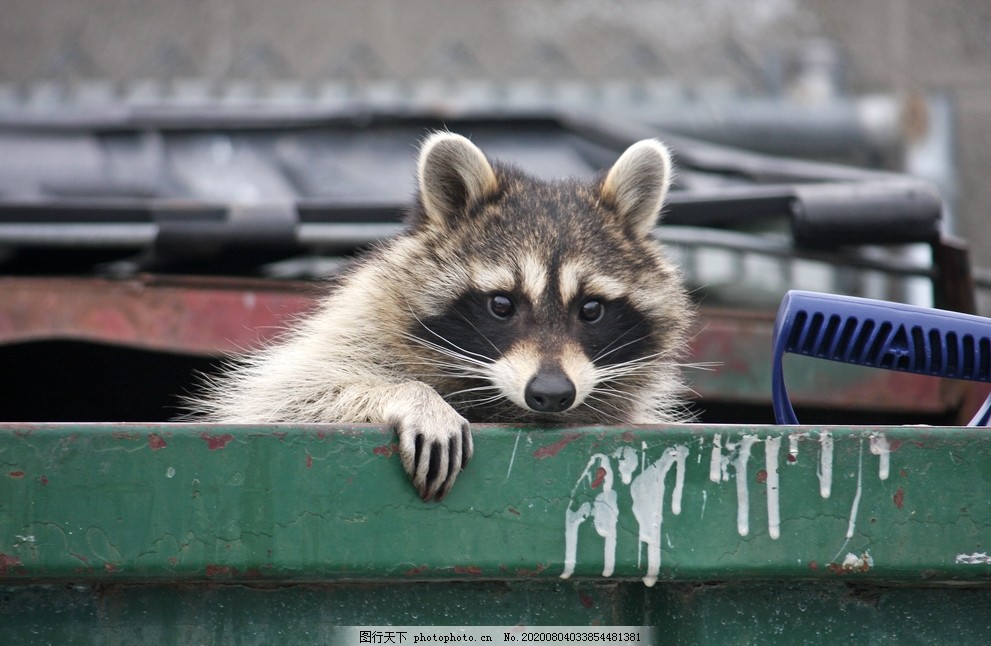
<point>121,101</point>
<point>901,84</point>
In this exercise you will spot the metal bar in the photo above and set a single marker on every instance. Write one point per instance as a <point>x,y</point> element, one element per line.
<point>75,235</point>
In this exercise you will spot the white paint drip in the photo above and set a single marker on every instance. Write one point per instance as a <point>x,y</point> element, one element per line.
<point>825,471</point>
<point>647,491</point>
<point>742,493</point>
<point>977,558</point>
<point>627,463</point>
<point>573,519</point>
<point>512,458</point>
<point>793,439</point>
<point>881,448</point>
<point>715,461</point>
<point>679,480</point>
<point>604,512</point>
<point>852,525</point>
<point>771,447</point>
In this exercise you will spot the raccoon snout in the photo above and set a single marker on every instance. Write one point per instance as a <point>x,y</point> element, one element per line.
<point>550,393</point>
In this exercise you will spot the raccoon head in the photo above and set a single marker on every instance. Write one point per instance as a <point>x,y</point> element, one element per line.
<point>544,300</point>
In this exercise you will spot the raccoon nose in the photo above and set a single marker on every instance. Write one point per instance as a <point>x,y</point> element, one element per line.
<point>550,393</point>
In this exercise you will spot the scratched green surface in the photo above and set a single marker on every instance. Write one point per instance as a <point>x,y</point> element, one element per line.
<point>165,503</point>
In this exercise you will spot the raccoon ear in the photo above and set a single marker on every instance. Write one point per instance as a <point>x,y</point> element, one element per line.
<point>453,174</point>
<point>638,183</point>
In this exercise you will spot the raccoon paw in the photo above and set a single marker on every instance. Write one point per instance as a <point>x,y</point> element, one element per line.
<point>434,446</point>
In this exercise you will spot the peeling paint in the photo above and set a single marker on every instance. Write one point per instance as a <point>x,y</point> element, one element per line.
<point>216,442</point>
<point>977,558</point>
<point>220,570</point>
<point>540,567</point>
<point>386,450</point>
<point>853,563</point>
<point>7,562</point>
<point>551,450</point>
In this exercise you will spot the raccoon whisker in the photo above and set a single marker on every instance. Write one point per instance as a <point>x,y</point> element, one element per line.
<point>601,412</point>
<point>480,333</point>
<point>458,362</point>
<point>443,350</point>
<point>606,373</point>
<point>500,414</point>
<point>447,351</point>
<point>613,396</point>
<point>649,358</point>
<point>471,390</point>
<point>455,346</point>
<point>602,355</point>
<point>702,365</point>
<point>454,372</point>
<point>480,401</point>
<point>444,375</point>
<point>621,394</point>
<point>453,369</point>
<point>615,340</point>
<point>597,395</point>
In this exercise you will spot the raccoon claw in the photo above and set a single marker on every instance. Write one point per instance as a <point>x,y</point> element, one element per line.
<point>433,458</point>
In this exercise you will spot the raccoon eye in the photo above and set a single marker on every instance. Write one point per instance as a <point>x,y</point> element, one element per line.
<point>501,306</point>
<point>591,311</point>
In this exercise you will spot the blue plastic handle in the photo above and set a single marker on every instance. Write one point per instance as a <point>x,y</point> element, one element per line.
<point>879,334</point>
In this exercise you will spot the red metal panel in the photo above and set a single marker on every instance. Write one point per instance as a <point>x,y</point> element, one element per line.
<point>213,316</point>
<point>194,315</point>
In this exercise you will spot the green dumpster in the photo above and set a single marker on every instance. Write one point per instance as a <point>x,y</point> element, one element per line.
<point>173,533</point>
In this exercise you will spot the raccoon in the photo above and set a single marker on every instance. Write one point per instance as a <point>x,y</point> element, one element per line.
<point>507,299</point>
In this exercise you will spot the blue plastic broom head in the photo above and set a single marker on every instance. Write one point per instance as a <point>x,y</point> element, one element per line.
<point>879,334</point>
